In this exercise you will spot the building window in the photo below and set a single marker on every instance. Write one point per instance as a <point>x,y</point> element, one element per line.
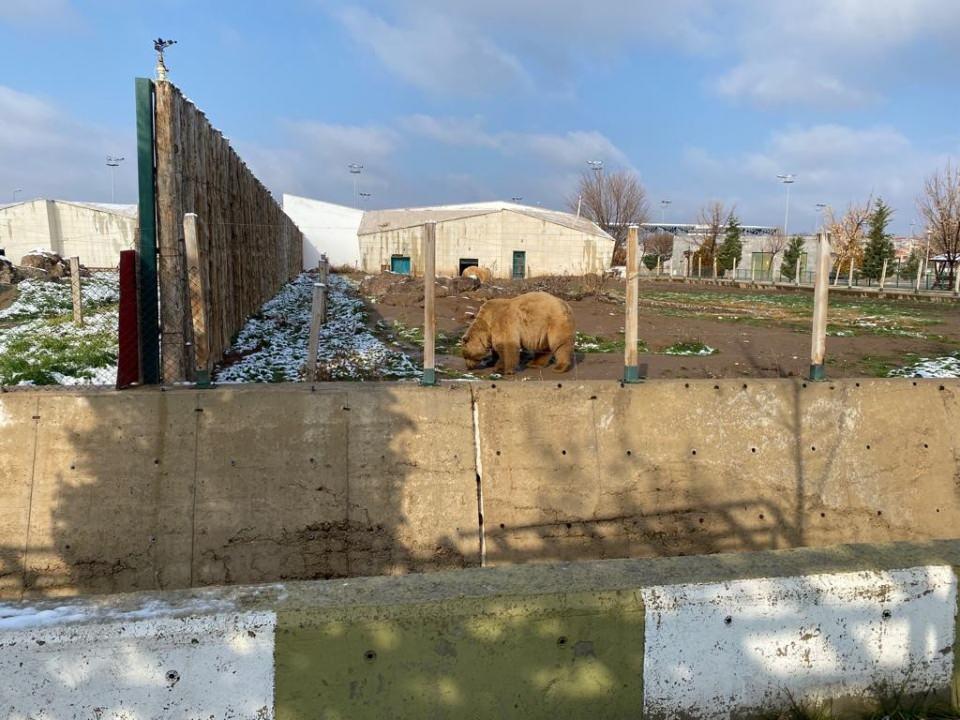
<point>761,264</point>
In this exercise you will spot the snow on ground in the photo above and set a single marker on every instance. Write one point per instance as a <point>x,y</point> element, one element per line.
<point>941,367</point>
<point>40,344</point>
<point>273,344</point>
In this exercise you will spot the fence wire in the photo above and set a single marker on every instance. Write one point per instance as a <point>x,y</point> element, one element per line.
<point>43,342</point>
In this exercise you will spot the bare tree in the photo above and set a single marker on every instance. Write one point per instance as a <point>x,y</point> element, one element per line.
<point>848,233</point>
<point>613,200</point>
<point>711,221</point>
<point>939,205</point>
<point>657,247</point>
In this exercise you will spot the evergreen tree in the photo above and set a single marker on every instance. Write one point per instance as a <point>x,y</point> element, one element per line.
<point>909,269</point>
<point>879,242</point>
<point>791,256</point>
<point>732,246</point>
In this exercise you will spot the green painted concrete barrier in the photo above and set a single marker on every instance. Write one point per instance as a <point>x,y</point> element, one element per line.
<point>715,636</point>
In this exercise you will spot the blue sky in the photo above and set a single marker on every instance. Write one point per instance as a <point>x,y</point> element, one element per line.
<point>457,100</point>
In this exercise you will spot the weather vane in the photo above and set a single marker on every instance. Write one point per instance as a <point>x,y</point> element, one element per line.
<point>160,45</point>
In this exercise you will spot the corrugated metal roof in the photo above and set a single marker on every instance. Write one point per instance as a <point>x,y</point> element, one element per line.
<point>380,220</point>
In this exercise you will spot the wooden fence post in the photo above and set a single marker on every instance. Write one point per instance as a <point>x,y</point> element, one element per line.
<point>883,274</point>
<point>317,311</point>
<point>197,288</point>
<point>75,290</point>
<point>631,365</point>
<point>820,298</point>
<point>429,309</point>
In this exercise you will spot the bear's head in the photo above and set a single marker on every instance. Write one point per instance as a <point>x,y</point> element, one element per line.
<point>475,344</point>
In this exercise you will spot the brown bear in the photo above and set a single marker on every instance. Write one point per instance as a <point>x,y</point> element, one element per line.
<point>482,274</point>
<point>537,322</point>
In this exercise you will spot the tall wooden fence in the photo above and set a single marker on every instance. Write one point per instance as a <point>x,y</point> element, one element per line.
<point>247,248</point>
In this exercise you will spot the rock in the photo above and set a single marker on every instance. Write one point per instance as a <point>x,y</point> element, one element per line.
<point>46,260</point>
<point>9,274</point>
<point>467,283</point>
<point>33,273</point>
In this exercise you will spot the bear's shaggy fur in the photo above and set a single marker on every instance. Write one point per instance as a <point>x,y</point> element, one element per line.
<point>482,274</point>
<point>537,322</point>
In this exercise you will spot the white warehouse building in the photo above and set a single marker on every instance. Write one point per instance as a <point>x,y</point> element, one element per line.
<point>327,228</point>
<point>96,233</point>
<point>510,240</point>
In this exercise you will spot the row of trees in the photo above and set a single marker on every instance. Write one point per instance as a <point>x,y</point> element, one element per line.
<point>614,200</point>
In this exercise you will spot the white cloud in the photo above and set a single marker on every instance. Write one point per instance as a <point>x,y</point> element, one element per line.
<point>833,164</point>
<point>464,132</point>
<point>47,153</point>
<point>435,53</point>
<point>827,53</point>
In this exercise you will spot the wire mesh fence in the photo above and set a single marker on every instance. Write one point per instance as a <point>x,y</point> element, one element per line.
<point>47,338</point>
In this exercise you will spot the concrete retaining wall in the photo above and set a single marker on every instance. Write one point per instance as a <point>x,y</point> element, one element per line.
<point>704,637</point>
<point>140,490</point>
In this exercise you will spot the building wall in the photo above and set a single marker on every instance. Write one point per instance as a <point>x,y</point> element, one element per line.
<point>492,238</point>
<point>95,236</point>
<point>751,244</point>
<point>327,228</point>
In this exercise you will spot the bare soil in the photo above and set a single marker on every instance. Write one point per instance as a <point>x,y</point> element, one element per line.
<point>756,332</point>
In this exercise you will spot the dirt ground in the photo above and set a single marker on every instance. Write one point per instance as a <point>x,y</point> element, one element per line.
<point>755,332</point>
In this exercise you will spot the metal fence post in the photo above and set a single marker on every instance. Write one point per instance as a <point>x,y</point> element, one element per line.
<point>883,274</point>
<point>820,299</point>
<point>147,236</point>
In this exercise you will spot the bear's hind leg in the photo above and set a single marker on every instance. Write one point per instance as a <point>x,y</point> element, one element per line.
<point>542,359</point>
<point>564,355</point>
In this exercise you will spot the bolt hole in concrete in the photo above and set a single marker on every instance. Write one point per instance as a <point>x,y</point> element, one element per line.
<point>744,386</point>
<point>823,515</point>
<point>693,452</point>
<point>925,446</point>
<point>700,520</point>
<point>559,385</point>
<point>753,450</point>
<point>494,385</point>
<point>502,526</point>
<point>879,512</point>
<point>563,452</point>
<point>760,516</point>
<point>686,385</point>
<point>716,387</point>
<point>562,640</point>
<point>569,526</point>
<point>813,448</point>
<point>173,677</point>
<point>369,656</point>
<point>629,453</point>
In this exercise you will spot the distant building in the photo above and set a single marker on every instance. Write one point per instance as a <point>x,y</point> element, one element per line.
<point>511,240</point>
<point>96,233</point>
<point>761,258</point>
<point>327,228</point>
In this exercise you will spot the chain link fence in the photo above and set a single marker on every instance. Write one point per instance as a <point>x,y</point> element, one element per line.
<point>46,340</point>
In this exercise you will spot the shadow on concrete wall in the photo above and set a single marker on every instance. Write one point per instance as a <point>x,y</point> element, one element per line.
<point>158,490</point>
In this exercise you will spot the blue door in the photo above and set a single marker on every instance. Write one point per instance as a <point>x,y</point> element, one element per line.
<point>400,264</point>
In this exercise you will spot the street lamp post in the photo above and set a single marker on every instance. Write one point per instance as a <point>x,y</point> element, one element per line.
<point>113,163</point>
<point>597,166</point>
<point>788,180</point>
<point>355,169</point>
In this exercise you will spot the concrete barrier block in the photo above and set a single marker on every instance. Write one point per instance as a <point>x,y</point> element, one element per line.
<point>272,486</point>
<point>413,490</point>
<point>18,437</point>
<point>113,492</point>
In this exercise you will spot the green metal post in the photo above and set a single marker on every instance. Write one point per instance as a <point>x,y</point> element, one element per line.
<point>149,323</point>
